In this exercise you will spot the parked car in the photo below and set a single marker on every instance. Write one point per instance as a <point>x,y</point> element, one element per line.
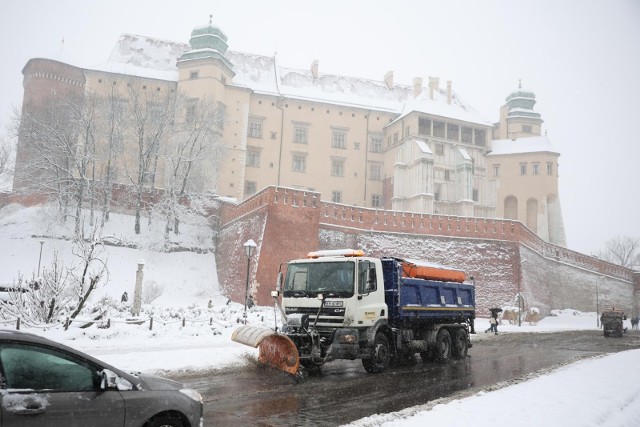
<point>44,383</point>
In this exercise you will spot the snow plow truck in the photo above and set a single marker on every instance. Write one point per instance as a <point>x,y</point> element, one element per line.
<point>340,304</point>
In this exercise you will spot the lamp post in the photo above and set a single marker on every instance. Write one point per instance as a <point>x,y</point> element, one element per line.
<point>249,246</point>
<point>522,261</point>
<point>40,257</point>
<point>598,302</point>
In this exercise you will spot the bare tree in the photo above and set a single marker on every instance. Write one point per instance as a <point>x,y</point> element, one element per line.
<point>622,250</point>
<point>57,149</point>
<point>151,117</point>
<point>191,152</point>
<point>91,270</point>
<point>113,129</point>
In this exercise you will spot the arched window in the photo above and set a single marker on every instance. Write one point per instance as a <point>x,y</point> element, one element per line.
<point>511,207</point>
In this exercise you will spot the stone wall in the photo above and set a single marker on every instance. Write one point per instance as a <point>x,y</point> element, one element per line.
<point>503,256</point>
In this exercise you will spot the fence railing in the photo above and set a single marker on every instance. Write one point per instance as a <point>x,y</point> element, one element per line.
<point>106,323</point>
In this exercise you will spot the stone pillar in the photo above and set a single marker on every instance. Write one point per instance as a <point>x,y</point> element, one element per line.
<point>137,294</point>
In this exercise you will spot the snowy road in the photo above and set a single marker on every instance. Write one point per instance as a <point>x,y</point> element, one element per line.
<point>258,396</point>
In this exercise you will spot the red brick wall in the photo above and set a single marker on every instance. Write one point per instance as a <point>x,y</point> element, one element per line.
<point>287,223</point>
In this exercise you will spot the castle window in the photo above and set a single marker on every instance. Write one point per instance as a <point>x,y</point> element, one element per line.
<point>190,115</point>
<point>549,168</point>
<point>440,149</point>
<point>299,162</point>
<point>376,201</point>
<point>255,128</point>
<point>523,168</point>
<point>300,134</point>
<point>375,171</point>
<point>250,187</point>
<point>438,129</point>
<point>467,135</point>
<point>453,132</point>
<point>536,168</point>
<point>337,166</point>
<point>376,144</point>
<point>481,137</point>
<point>194,75</point>
<point>496,170</point>
<point>336,196</point>
<point>424,126</point>
<point>475,195</point>
<point>253,156</point>
<point>447,175</point>
<point>338,139</point>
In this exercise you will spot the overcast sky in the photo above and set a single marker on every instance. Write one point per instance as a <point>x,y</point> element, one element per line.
<point>581,58</point>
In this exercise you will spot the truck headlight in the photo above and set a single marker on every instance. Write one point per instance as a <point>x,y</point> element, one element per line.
<point>348,339</point>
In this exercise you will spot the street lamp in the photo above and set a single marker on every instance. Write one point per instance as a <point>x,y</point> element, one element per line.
<point>40,257</point>
<point>249,246</point>
<point>598,302</point>
<point>522,261</point>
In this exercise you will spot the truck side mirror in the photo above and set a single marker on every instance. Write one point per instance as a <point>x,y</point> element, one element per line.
<point>279,283</point>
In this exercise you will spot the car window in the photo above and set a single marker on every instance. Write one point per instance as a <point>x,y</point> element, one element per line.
<point>41,368</point>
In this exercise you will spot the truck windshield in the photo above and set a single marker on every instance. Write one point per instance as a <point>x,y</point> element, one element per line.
<point>333,279</point>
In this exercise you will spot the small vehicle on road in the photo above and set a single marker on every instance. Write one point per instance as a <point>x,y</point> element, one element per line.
<point>44,383</point>
<point>611,320</point>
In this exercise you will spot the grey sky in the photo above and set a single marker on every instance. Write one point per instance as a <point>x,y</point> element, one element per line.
<point>581,58</point>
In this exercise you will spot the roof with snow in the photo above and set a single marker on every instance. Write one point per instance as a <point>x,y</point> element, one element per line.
<point>148,57</point>
<point>532,144</point>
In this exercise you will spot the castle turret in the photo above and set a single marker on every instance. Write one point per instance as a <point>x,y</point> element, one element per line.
<point>517,116</point>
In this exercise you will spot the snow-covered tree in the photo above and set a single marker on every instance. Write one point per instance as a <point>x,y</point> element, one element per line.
<point>151,115</point>
<point>190,154</point>
<point>7,154</point>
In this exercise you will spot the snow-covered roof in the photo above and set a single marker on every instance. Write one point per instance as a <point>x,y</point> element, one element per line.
<point>440,106</point>
<point>423,146</point>
<point>532,144</point>
<point>153,58</point>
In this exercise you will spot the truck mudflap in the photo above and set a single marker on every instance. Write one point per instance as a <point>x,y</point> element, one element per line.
<point>275,349</point>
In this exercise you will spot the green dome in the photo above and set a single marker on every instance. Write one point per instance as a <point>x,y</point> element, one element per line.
<point>521,103</point>
<point>207,42</point>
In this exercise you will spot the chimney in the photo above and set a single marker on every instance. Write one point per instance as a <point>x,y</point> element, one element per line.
<point>314,69</point>
<point>417,86</point>
<point>388,79</point>
<point>449,92</point>
<point>434,85</point>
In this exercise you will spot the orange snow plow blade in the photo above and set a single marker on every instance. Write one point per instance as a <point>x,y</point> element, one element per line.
<point>276,350</point>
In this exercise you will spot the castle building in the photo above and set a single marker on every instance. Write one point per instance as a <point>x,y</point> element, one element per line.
<point>368,143</point>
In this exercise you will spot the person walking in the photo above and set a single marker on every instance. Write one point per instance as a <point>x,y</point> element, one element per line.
<point>493,324</point>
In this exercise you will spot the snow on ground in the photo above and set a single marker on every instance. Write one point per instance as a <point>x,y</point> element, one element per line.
<point>602,391</point>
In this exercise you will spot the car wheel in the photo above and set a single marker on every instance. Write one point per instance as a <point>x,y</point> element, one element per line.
<point>381,355</point>
<point>165,420</point>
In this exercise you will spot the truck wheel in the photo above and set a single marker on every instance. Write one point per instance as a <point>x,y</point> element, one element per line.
<point>443,346</point>
<point>460,345</point>
<point>381,355</point>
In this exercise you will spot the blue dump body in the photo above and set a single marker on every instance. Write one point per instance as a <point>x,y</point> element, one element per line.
<point>412,300</point>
